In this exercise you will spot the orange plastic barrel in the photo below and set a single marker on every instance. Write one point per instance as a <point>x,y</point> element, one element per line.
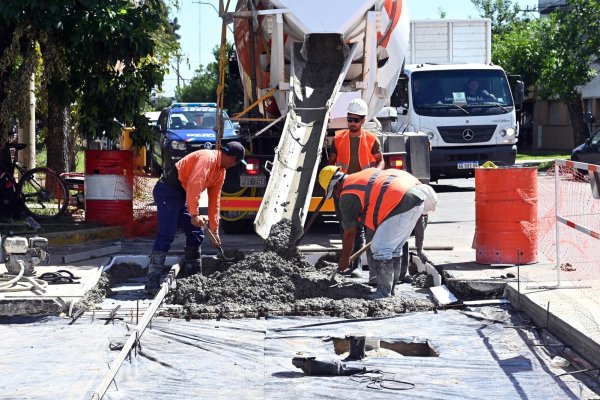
<point>109,187</point>
<point>506,215</point>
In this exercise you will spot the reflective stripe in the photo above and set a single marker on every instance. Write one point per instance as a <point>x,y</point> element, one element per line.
<point>384,188</point>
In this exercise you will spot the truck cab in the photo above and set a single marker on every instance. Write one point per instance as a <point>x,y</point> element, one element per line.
<point>183,128</point>
<point>467,111</point>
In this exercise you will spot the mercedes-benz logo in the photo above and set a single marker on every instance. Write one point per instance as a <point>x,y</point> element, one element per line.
<point>208,145</point>
<point>468,135</point>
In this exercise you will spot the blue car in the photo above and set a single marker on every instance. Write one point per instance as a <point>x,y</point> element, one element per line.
<point>183,128</point>
<point>588,152</point>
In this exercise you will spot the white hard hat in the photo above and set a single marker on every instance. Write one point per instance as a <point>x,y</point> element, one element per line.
<point>358,107</point>
<point>431,198</point>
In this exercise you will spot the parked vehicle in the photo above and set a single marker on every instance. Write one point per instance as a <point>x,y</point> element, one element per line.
<point>467,126</point>
<point>589,151</point>
<point>183,128</point>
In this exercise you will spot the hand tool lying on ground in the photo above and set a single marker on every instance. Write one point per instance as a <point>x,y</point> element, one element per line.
<point>352,258</point>
<point>212,238</point>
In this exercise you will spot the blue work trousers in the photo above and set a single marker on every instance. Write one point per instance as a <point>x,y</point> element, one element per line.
<point>173,214</point>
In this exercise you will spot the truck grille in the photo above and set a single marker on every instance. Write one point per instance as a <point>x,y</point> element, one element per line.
<point>461,134</point>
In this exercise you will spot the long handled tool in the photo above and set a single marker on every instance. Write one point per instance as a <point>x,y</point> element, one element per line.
<point>352,258</point>
<point>212,238</point>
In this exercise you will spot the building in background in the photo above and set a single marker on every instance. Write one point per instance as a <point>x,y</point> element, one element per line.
<point>551,123</point>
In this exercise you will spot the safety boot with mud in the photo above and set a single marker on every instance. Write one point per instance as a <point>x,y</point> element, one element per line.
<point>401,274</point>
<point>192,261</point>
<point>354,270</point>
<point>157,260</point>
<point>384,277</point>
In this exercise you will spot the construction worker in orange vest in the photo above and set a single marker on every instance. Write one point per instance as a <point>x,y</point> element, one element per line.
<point>176,195</point>
<point>388,203</point>
<point>353,150</point>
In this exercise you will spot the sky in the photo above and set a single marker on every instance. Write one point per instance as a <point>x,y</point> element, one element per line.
<point>201,28</point>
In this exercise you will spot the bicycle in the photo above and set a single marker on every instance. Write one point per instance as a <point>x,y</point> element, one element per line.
<point>41,190</point>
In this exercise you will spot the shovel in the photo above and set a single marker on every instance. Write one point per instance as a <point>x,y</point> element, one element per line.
<point>212,238</point>
<point>352,258</point>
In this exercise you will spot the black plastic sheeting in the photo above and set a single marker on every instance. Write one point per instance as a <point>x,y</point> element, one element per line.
<point>482,354</point>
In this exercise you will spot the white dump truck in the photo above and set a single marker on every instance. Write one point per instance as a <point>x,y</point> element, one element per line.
<point>450,91</point>
<point>301,63</point>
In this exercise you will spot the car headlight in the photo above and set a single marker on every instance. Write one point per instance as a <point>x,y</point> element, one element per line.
<point>430,134</point>
<point>510,132</point>
<point>177,145</point>
<point>502,132</point>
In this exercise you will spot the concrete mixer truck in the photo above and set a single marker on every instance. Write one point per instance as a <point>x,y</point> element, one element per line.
<point>301,63</point>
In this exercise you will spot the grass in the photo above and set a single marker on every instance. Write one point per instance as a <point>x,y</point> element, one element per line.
<point>543,155</point>
<point>41,158</point>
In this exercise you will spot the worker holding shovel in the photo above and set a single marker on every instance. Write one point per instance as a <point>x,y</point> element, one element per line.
<point>353,150</point>
<point>388,203</point>
<point>176,195</point>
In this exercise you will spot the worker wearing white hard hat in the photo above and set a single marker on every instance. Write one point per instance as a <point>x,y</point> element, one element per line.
<point>353,150</point>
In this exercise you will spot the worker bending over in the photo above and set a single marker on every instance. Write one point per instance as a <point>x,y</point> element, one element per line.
<point>177,194</point>
<point>388,203</point>
<point>353,150</point>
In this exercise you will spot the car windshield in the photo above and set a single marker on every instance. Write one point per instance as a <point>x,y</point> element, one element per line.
<point>185,118</point>
<point>477,92</point>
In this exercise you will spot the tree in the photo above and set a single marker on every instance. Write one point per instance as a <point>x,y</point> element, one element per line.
<point>504,14</point>
<point>556,53</point>
<point>104,55</point>
<point>203,86</point>
<point>571,43</point>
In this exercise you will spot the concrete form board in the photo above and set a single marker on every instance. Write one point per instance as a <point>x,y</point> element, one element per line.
<point>566,313</point>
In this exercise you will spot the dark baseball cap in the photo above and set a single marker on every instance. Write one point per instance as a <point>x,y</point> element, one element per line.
<point>235,149</point>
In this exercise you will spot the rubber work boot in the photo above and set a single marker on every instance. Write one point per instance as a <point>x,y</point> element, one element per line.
<point>396,267</point>
<point>157,260</point>
<point>403,275</point>
<point>385,274</point>
<point>192,261</point>
<point>372,272</point>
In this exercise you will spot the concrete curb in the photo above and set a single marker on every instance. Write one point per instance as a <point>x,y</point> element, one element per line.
<point>56,239</point>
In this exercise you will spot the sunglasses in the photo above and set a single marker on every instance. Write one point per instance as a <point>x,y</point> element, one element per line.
<point>355,120</point>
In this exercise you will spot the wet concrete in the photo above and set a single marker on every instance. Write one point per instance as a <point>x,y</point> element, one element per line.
<point>118,274</point>
<point>279,281</point>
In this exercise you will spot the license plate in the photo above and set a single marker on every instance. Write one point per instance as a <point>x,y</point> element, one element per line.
<point>468,164</point>
<point>253,181</point>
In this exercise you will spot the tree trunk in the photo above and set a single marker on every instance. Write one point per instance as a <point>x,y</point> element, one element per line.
<point>57,143</point>
<point>580,128</point>
<point>6,36</point>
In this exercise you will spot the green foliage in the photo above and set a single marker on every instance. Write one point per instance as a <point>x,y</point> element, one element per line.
<point>161,102</point>
<point>570,42</point>
<point>505,14</point>
<point>106,56</point>
<point>519,52</point>
<point>203,86</point>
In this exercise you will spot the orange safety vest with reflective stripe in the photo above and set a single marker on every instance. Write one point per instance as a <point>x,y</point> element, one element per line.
<point>379,191</point>
<point>366,159</point>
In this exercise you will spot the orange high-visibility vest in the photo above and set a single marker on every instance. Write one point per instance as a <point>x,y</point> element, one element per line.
<point>379,191</point>
<point>342,146</point>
